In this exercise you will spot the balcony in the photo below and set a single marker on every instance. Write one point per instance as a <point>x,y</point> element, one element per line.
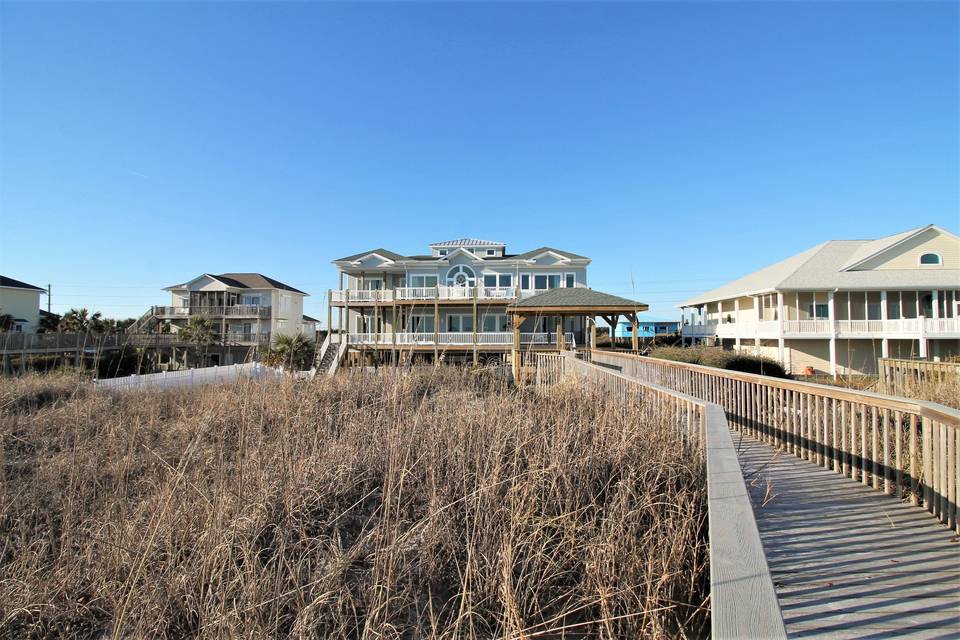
<point>905,328</point>
<point>414,294</point>
<point>231,311</point>
<point>233,338</point>
<point>502,339</point>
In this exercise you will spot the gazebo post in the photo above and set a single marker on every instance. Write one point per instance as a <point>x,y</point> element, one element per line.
<point>560,333</point>
<point>515,356</point>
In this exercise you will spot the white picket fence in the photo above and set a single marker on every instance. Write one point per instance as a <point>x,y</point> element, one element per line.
<point>190,377</point>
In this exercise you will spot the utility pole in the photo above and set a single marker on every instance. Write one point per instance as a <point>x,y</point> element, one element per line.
<point>49,288</point>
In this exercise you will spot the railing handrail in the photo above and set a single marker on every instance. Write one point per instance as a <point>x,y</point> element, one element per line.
<point>900,446</point>
<point>744,602</point>
<point>882,401</point>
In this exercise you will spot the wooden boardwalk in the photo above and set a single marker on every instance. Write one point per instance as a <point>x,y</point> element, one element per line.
<point>848,561</point>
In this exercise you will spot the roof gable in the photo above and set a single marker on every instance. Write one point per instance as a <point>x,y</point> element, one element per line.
<point>532,255</point>
<point>902,251</point>
<point>239,281</point>
<point>384,253</point>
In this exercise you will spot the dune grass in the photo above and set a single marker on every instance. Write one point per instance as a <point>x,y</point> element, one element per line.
<point>438,504</point>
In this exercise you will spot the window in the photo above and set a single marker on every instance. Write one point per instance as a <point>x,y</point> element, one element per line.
<point>491,252</point>
<point>497,280</point>
<point>818,311</point>
<point>525,281</point>
<point>250,299</point>
<point>930,258</point>
<point>494,322</point>
<point>461,276</point>
<point>423,281</point>
<point>459,323</point>
<point>571,281</point>
<point>284,303</point>
<point>442,252</point>
<point>421,323</point>
<point>546,281</point>
<point>373,284</point>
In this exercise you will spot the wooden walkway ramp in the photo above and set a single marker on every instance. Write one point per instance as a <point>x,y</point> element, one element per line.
<point>848,561</point>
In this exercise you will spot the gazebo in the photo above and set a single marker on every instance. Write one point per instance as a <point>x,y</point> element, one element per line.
<point>573,302</point>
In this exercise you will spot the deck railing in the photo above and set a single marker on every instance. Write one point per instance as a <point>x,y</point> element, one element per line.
<point>245,310</point>
<point>897,375</point>
<point>455,338</point>
<point>91,343</point>
<point>822,327</point>
<point>903,447</point>
<point>440,292</point>
<point>743,601</point>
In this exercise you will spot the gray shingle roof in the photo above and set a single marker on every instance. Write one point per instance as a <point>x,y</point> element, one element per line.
<point>254,281</point>
<point>578,297</point>
<point>245,281</point>
<point>17,284</point>
<point>825,267</point>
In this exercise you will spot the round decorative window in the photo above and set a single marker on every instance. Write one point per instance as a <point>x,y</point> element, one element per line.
<point>461,276</point>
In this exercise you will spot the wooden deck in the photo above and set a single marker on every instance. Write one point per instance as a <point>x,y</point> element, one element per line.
<point>848,561</point>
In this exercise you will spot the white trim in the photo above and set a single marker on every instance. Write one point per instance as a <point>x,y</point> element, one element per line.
<point>563,259</point>
<point>385,259</point>
<point>939,262</point>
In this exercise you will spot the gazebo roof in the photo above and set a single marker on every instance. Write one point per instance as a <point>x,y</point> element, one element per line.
<point>576,300</point>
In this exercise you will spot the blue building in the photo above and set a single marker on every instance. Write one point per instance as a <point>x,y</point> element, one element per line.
<point>647,329</point>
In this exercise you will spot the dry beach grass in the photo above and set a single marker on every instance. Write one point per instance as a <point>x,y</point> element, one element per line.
<point>433,504</point>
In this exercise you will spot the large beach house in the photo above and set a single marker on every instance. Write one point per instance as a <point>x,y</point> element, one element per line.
<point>244,310</point>
<point>467,299</point>
<point>837,307</point>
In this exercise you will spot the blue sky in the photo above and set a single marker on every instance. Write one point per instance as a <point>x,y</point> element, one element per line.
<point>679,145</point>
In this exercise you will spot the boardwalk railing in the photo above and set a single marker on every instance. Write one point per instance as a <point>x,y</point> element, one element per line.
<point>190,377</point>
<point>33,343</point>
<point>908,448</point>
<point>743,600</point>
<point>899,374</point>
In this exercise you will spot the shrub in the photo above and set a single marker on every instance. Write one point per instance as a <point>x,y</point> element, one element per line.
<point>721,359</point>
<point>433,504</point>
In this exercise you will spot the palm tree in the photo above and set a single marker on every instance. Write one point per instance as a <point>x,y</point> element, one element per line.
<point>49,322</point>
<point>6,322</point>
<point>199,332</point>
<point>290,352</point>
<point>80,321</point>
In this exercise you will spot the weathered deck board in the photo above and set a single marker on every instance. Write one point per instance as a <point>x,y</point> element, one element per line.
<point>848,561</point>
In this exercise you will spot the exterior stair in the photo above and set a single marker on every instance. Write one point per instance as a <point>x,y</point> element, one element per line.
<point>145,323</point>
<point>328,357</point>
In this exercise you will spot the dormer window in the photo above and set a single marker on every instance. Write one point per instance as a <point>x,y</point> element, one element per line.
<point>491,252</point>
<point>442,252</point>
<point>930,259</point>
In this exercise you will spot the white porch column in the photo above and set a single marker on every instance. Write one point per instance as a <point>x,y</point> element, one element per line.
<point>936,303</point>
<point>736,319</point>
<point>833,333</point>
<point>780,341</point>
<point>885,341</point>
<point>923,336</point>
